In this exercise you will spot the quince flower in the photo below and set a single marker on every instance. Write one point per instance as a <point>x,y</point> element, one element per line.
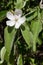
<point>15,18</point>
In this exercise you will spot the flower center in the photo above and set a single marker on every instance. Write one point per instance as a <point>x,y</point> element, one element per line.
<point>16,19</point>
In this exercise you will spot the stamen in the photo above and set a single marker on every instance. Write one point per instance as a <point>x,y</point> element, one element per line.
<point>12,12</point>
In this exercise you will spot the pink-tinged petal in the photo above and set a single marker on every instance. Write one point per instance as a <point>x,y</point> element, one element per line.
<point>16,17</point>
<point>18,12</point>
<point>10,15</point>
<point>10,23</point>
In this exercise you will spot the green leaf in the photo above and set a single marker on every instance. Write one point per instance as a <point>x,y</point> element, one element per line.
<point>2,54</point>
<point>32,62</point>
<point>39,41</point>
<point>9,36</point>
<point>3,15</point>
<point>9,3</point>
<point>9,63</point>
<point>27,35</point>
<point>19,60</point>
<point>20,4</point>
<point>42,16</point>
<point>36,28</point>
<point>32,16</point>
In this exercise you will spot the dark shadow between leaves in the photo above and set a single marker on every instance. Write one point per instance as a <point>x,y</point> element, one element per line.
<point>23,27</point>
<point>10,29</point>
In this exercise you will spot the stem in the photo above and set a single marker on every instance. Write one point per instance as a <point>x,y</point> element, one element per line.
<point>30,12</point>
<point>34,47</point>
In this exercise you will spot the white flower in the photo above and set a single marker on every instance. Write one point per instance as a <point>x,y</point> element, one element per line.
<point>15,19</point>
<point>41,4</point>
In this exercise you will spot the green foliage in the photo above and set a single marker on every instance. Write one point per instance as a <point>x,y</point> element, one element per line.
<point>20,47</point>
<point>36,28</point>
<point>2,54</point>
<point>20,4</point>
<point>19,60</point>
<point>9,39</point>
<point>27,35</point>
<point>3,15</point>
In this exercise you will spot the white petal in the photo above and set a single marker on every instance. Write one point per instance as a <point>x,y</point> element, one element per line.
<point>19,22</point>
<point>41,6</point>
<point>22,20</point>
<point>18,12</point>
<point>17,25</point>
<point>16,17</point>
<point>10,16</point>
<point>10,23</point>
